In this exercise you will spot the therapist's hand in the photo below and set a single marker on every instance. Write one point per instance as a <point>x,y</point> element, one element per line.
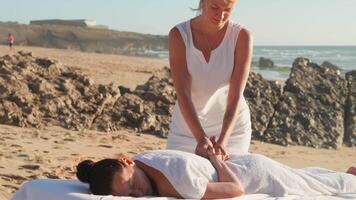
<point>202,147</point>
<point>220,149</point>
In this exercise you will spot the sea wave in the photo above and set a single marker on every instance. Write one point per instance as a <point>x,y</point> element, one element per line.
<point>283,56</point>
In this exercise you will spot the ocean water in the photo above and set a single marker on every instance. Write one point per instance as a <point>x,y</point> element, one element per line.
<point>283,56</point>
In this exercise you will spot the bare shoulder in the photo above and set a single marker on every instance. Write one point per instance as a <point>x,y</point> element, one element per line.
<point>175,38</point>
<point>164,187</point>
<point>177,51</point>
<point>174,32</point>
<point>245,37</point>
<point>150,171</point>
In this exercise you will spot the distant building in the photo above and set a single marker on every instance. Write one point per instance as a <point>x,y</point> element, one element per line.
<point>73,22</point>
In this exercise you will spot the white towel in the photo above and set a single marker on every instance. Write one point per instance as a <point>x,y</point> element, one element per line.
<point>259,174</point>
<point>188,173</point>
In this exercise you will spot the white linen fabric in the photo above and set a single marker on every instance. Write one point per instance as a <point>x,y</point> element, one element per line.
<point>188,173</point>
<point>209,91</point>
<point>262,175</point>
<point>257,173</point>
<point>262,178</point>
<point>54,189</point>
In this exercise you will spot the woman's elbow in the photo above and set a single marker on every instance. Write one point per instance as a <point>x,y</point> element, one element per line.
<point>238,190</point>
<point>239,193</point>
<point>235,191</point>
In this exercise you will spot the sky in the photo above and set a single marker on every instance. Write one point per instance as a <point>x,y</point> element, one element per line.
<point>272,22</point>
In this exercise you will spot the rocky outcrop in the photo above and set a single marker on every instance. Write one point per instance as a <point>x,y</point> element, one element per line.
<point>262,96</point>
<point>329,65</point>
<point>311,111</point>
<point>265,62</point>
<point>315,108</point>
<point>350,113</point>
<point>146,109</point>
<point>36,92</point>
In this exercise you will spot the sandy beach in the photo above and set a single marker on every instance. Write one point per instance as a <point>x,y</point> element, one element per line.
<point>102,68</point>
<point>53,152</point>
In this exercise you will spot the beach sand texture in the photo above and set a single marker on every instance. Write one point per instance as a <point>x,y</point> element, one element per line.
<point>53,152</point>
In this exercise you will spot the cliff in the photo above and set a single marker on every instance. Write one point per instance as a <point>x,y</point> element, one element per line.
<point>81,38</point>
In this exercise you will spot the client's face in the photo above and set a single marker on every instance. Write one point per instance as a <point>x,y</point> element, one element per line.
<point>131,181</point>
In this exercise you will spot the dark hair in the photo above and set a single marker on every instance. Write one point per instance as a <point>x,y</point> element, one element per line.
<point>98,175</point>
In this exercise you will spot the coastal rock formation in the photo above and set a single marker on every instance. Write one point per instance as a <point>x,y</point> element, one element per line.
<point>350,114</point>
<point>147,109</point>
<point>311,111</point>
<point>315,108</point>
<point>265,62</point>
<point>36,92</point>
<point>262,96</point>
<point>328,64</point>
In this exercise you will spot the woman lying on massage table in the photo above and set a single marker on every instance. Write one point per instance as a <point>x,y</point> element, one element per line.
<point>179,174</point>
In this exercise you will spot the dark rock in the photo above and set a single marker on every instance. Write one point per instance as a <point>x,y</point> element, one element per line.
<point>350,112</point>
<point>265,62</point>
<point>146,109</point>
<point>329,65</point>
<point>124,90</point>
<point>44,62</point>
<point>25,53</point>
<point>311,110</point>
<point>262,96</point>
<point>36,92</point>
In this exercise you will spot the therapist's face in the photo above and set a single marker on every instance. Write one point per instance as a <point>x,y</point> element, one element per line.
<point>131,181</point>
<point>217,12</point>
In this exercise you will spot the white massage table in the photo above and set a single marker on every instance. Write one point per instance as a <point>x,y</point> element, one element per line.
<point>54,189</point>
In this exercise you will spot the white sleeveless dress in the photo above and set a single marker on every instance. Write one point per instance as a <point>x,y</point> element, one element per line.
<point>209,91</point>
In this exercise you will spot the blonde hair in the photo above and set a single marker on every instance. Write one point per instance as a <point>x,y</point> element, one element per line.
<point>200,6</point>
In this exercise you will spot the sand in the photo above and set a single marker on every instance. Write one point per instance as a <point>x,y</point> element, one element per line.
<point>103,68</point>
<point>53,152</point>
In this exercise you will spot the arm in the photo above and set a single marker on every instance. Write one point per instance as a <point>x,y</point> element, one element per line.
<point>228,185</point>
<point>163,187</point>
<point>182,84</point>
<point>238,80</point>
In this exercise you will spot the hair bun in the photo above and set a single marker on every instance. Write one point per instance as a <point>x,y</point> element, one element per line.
<point>83,170</point>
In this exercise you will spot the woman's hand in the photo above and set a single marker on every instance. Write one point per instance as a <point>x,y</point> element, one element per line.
<point>202,147</point>
<point>220,149</point>
<point>213,156</point>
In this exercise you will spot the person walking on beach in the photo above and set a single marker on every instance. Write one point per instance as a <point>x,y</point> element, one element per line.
<point>10,40</point>
<point>210,58</point>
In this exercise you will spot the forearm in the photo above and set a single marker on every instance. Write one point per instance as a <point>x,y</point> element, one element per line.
<point>238,80</point>
<point>190,116</point>
<point>225,174</point>
<point>229,121</point>
<point>182,82</point>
